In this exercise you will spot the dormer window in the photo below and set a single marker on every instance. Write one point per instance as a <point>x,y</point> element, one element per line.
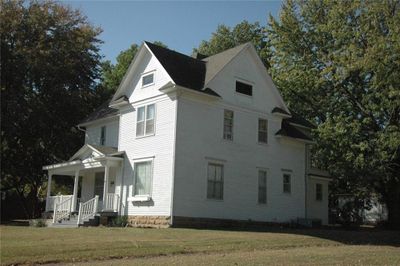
<point>244,88</point>
<point>147,79</point>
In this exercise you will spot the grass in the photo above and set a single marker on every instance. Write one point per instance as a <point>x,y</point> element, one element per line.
<point>107,246</point>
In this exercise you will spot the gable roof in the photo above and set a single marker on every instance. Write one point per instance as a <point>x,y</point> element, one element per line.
<point>291,131</point>
<point>184,70</point>
<point>100,150</point>
<point>217,62</point>
<point>103,111</point>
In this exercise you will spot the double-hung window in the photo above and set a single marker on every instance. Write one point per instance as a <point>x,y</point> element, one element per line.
<point>262,187</point>
<point>145,120</point>
<point>318,192</point>
<point>103,136</point>
<point>143,178</point>
<point>262,130</point>
<point>228,125</point>
<point>287,185</point>
<point>215,181</point>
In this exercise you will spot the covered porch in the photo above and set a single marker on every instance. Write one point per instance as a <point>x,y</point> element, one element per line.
<point>97,170</point>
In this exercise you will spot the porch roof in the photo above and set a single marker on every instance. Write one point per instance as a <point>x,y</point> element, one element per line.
<point>89,156</point>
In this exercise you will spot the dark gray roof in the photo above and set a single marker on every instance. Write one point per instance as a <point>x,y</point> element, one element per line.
<point>103,111</point>
<point>299,120</point>
<point>291,131</point>
<point>106,150</point>
<point>184,70</point>
<point>280,111</point>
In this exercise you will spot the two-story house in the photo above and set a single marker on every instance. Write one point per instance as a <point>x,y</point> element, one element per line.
<point>189,141</point>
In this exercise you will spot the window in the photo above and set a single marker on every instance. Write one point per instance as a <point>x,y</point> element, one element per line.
<point>287,183</point>
<point>103,136</point>
<point>148,79</point>
<point>215,181</point>
<point>145,120</point>
<point>244,88</point>
<point>228,125</point>
<point>143,177</point>
<point>262,130</point>
<point>318,192</point>
<point>262,187</point>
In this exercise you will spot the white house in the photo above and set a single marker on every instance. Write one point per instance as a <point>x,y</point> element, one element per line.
<point>187,141</point>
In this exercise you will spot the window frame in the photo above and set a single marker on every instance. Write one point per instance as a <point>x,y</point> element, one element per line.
<point>216,164</point>
<point>285,191</point>
<point>263,131</point>
<point>103,135</point>
<point>318,194</point>
<point>145,75</point>
<point>135,163</point>
<point>145,120</point>
<point>245,83</point>
<point>259,170</point>
<point>232,122</point>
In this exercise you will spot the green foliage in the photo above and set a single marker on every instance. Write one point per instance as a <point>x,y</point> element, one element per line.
<point>38,223</point>
<point>338,64</point>
<point>119,221</point>
<point>49,68</point>
<point>225,38</point>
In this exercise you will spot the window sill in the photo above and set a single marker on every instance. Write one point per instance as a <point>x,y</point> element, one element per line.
<point>148,85</point>
<point>141,198</point>
<point>145,136</point>
<point>215,200</point>
<point>263,143</point>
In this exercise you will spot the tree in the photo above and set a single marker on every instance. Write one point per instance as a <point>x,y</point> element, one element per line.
<point>225,38</point>
<point>112,74</point>
<point>338,64</point>
<point>49,64</point>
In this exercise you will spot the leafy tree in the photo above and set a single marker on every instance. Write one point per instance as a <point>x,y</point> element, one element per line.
<point>49,65</point>
<point>338,63</point>
<point>225,38</point>
<point>112,74</point>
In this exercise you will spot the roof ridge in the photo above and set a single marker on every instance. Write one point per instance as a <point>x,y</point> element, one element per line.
<point>173,51</point>
<point>229,50</point>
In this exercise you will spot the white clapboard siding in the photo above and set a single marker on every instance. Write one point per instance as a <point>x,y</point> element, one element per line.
<point>160,147</point>
<point>93,133</point>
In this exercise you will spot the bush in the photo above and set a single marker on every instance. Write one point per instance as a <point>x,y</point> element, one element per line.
<point>119,221</point>
<point>38,223</point>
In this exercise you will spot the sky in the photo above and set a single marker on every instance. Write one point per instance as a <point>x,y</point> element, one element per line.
<point>181,25</point>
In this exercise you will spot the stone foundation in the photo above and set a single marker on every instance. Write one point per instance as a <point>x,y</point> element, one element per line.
<point>196,222</point>
<point>149,221</point>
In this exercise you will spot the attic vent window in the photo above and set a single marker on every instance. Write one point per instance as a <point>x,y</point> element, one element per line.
<point>147,79</point>
<point>244,88</point>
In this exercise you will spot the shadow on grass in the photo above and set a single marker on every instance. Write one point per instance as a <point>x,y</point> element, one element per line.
<point>354,236</point>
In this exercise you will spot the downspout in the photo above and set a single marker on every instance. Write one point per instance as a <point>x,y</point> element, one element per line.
<point>306,181</point>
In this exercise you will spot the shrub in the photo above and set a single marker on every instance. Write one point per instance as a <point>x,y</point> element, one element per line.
<point>38,223</point>
<point>119,221</point>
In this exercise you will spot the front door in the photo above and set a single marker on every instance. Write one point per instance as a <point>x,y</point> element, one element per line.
<point>99,187</point>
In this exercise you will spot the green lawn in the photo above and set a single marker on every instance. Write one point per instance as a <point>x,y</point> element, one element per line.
<point>109,246</point>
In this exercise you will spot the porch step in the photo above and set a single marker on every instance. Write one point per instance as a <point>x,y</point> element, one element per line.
<point>73,222</point>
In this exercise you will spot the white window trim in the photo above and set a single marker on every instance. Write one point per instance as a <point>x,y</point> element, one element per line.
<point>210,160</point>
<point>141,198</point>
<point>145,114</point>
<point>290,173</point>
<point>266,183</point>
<point>258,131</point>
<point>223,125</point>
<point>245,82</point>
<point>145,74</point>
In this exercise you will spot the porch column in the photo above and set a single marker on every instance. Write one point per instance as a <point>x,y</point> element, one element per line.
<point>75,196</point>
<point>50,176</point>
<point>105,191</point>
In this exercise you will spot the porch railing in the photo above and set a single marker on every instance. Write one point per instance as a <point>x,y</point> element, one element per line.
<point>62,209</point>
<point>111,202</point>
<point>87,209</point>
<point>51,199</point>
